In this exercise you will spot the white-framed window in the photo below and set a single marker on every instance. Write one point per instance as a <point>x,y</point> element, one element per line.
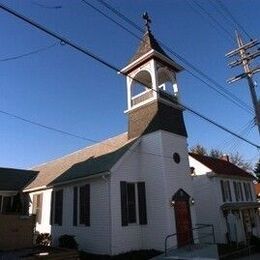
<point>37,207</point>
<point>238,191</point>
<point>133,203</point>
<point>81,205</point>
<point>56,215</point>
<point>248,192</point>
<point>226,191</point>
<point>6,203</point>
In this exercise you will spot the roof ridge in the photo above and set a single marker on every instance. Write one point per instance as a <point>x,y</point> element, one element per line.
<point>77,151</point>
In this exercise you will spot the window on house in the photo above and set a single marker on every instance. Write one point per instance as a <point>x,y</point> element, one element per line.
<point>6,204</point>
<point>238,191</point>
<point>0,203</point>
<point>37,207</point>
<point>241,191</point>
<point>248,193</point>
<point>56,207</point>
<point>81,205</point>
<point>226,192</point>
<point>133,201</point>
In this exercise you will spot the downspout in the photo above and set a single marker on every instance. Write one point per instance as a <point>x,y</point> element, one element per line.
<point>108,181</point>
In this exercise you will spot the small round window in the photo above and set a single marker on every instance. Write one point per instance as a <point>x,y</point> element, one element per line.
<point>176,157</point>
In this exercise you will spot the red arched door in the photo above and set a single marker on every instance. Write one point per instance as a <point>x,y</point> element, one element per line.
<point>183,218</point>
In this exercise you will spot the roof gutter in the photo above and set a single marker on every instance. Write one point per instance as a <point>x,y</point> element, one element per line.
<point>9,191</point>
<point>213,174</point>
<point>35,189</point>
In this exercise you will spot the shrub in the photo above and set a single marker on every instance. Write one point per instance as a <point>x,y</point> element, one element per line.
<point>68,241</point>
<point>43,239</point>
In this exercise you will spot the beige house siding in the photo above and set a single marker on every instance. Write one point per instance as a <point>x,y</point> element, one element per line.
<point>16,231</point>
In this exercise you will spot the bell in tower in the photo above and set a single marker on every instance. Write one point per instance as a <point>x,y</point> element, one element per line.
<point>152,92</point>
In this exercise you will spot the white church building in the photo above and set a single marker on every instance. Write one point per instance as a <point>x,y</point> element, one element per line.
<point>128,192</point>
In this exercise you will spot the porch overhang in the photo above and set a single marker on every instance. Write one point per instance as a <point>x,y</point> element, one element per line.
<point>240,205</point>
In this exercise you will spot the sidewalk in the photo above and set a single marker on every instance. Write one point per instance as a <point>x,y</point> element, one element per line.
<point>251,257</point>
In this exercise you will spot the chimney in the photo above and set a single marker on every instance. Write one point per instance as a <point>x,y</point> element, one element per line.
<point>225,157</point>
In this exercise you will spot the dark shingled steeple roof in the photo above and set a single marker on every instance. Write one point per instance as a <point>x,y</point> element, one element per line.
<point>148,43</point>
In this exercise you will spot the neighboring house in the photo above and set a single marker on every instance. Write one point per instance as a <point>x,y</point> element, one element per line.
<point>224,196</point>
<point>12,182</point>
<point>16,227</point>
<point>118,195</point>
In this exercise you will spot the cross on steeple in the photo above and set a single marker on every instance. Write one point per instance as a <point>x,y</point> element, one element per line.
<point>147,21</point>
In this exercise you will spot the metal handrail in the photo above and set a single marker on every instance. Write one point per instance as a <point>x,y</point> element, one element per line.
<point>199,226</point>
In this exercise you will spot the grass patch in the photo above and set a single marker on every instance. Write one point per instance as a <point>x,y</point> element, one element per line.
<point>133,255</point>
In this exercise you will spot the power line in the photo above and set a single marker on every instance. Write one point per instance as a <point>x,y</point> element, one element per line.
<point>60,131</point>
<point>227,94</point>
<point>245,134</point>
<point>225,9</point>
<point>30,53</point>
<point>229,141</point>
<point>213,19</point>
<point>62,39</point>
<point>45,126</point>
<point>47,6</point>
<point>119,14</point>
<point>90,54</point>
<point>223,14</point>
<point>199,12</point>
<point>108,17</point>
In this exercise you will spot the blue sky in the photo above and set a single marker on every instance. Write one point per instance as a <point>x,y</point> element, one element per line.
<point>65,89</point>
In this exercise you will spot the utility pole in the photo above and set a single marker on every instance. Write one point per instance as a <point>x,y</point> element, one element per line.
<point>245,55</point>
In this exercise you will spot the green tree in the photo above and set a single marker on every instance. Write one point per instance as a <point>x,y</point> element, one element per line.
<point>239,161</point>
<point>199,149</point>
<point>215,153</point>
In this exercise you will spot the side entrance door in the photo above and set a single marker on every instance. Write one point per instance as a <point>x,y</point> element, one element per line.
<point>183,219</point>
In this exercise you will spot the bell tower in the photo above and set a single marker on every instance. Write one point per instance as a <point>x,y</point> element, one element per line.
<point>152,90</point>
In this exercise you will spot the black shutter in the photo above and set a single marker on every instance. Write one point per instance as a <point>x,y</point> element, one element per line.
<point>87,193</point>
<point>123,189</point>
<point>229,191</point>
<point>241,191</point>
<point>249,191</point>
<point>142,203</point>
<point>39,208</point>
<point>84,205</point>
<point>236,190</point>
<point>34,204</point>
<point>222,191</point>
<point>75,206</point>
<point>61,208</point>
<point>58,207</point>
<point>52,208</point>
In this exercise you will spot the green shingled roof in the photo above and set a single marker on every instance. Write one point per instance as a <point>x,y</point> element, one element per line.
<point>92,166</point>
<point>15,179</point>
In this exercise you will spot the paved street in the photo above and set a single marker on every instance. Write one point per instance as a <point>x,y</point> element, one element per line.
<point>252,257</point>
